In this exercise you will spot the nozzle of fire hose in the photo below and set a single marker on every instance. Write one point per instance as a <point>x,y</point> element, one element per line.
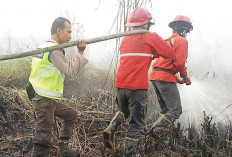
<point>187,81</point>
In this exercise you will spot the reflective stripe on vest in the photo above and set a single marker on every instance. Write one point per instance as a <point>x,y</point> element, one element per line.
<point>41,71</point>
<point>137,54</point>
<point>61,75</point>
<point>45,78</point>
<point>48,93</point>
<point>48,72</point>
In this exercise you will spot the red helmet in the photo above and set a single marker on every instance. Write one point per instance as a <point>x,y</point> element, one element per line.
<point>139,16</point>
<point>179,19</point>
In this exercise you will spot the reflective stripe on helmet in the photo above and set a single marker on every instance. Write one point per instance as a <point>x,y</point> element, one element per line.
<point>137,54</point>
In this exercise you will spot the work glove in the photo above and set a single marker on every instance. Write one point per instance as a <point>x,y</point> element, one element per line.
<point>188,81</point>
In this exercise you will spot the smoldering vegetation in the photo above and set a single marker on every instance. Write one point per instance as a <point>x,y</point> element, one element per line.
<point>204,129</point>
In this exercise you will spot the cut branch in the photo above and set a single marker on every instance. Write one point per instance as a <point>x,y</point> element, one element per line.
<point>70,44</point>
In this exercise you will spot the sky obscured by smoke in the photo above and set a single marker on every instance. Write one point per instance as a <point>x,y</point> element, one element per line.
<point>209,42</point>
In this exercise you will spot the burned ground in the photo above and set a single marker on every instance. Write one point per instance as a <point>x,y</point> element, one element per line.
<point>96,106</point>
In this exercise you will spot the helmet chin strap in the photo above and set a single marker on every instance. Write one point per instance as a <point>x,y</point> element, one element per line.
<point>145,26</point>
<point>184,33</point>
<point>148,25</point>
<point>181,31</point>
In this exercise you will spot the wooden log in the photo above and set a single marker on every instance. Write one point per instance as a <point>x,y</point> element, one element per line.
<point>70,44</point>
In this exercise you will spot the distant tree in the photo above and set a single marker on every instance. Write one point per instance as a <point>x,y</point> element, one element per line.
<point>124,9</point>
<point>1,50</point>
<point>9,39</point>
<point>78,32</point>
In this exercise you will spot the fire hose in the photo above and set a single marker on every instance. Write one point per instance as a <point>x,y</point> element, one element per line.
<point>70,44</point>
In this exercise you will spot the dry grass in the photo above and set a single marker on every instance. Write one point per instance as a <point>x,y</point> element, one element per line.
<point>95,102</point>
<point>95,110</point>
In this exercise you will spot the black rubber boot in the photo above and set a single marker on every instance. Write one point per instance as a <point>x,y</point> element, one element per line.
<point>162,122</point>
<point>130,147</point>
<point>108,133</point>
<point>159,126</point>
<point>40,151</point>
<point>64,151</point>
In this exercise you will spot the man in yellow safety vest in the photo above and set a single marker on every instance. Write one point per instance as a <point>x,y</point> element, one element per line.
<point>47,79</point>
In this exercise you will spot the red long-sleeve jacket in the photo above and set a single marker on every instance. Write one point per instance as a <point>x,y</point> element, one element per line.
<point>136,54</point>
<point>180,46</point>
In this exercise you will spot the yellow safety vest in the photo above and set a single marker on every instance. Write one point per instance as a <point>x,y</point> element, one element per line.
<point>45,78</point>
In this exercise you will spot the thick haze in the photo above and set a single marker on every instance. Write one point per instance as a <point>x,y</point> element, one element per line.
<point>209,42</point>
<point>210,48</point>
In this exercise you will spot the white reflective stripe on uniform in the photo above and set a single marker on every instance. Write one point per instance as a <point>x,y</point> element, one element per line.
<point>47,93</point>
<point>61,77</point>
<point>137,54</point>
<point>48,72</point>
<point>44,69</point>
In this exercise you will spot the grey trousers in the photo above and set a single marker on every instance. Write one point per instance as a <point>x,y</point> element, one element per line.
<point>169,101</point>
<point>133,104</point>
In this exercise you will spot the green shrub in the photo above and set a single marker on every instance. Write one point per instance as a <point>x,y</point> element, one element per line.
<point>15,72</point>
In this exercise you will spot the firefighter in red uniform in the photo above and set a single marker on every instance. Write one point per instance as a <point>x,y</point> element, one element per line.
<point>163,75</point>
<point>136,54</point>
